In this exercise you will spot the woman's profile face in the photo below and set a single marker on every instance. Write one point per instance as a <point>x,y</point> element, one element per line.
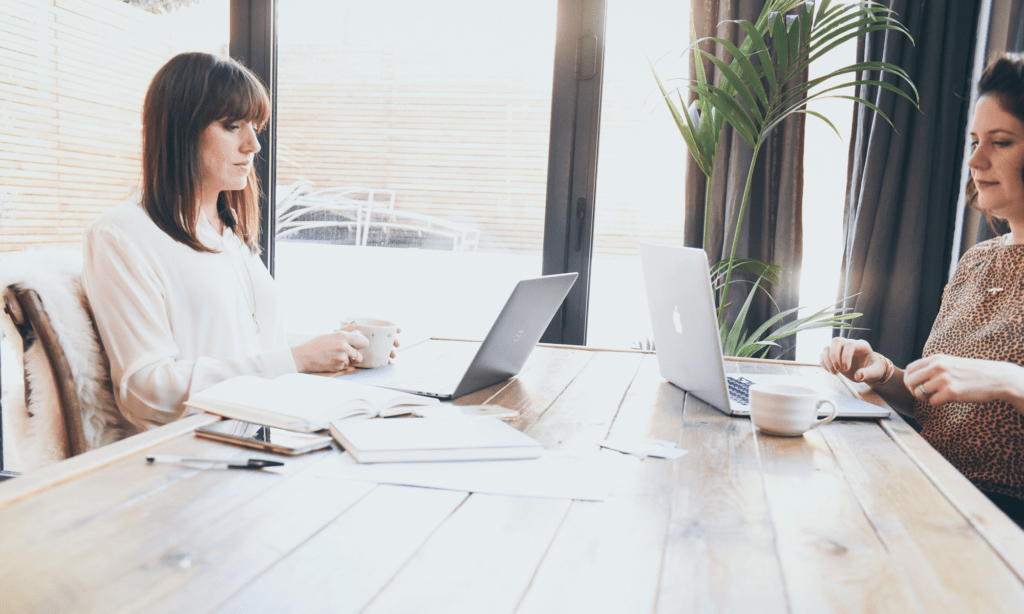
<point>226,152</point>
<point>997,160</point>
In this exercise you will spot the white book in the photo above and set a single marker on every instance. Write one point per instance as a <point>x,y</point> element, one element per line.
<point>300,401</point>
<point>422,439</point>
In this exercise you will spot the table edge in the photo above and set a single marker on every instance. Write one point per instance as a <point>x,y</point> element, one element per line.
<point>23,486</point>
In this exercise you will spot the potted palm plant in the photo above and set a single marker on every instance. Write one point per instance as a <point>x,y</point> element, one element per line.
<point>759,88</point>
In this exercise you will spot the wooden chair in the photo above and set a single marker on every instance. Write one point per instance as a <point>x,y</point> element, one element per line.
<point>26,312</point>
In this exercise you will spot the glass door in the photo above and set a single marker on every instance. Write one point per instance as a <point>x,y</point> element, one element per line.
<point>412,160</point>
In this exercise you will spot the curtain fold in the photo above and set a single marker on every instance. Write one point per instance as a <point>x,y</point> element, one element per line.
<point>773,228</point>
<point>904,181</point>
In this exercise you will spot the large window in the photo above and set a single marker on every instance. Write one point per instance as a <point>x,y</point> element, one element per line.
<point>825,167</point>
<point>412,159</point>
<point>73,75</point>
<point>641,165</point>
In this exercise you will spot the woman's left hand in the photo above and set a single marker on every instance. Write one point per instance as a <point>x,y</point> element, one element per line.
<point>941,379</point>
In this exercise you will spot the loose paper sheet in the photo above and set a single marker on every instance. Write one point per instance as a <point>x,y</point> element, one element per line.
<point>585,476</point>
<point>658,448</point>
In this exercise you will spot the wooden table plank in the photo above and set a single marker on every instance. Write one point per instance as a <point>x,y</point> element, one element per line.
<point>1001,533</point>
<point>720,553</point>
<point>342,567</point>
<point>546,374</point>
<point>219,557</point>
<point>131,534</point>
<point>480,560</point>
<point>831,558</point>
<point>938,553</point>
<point>14,490</point>
<point>582,415</point>
<point>607,556</point>
<point>850,517</point>
<point>46,515</point>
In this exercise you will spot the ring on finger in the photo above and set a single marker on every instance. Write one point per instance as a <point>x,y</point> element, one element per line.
<point>921,389</point>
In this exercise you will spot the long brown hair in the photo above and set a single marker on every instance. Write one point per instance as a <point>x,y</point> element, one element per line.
<point>187,94</point>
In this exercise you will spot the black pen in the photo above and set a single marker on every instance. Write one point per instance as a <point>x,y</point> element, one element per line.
<point>215,463</point>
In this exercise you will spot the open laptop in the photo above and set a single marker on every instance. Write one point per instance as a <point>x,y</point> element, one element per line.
<point>688,345</point>
<point>502,354</point>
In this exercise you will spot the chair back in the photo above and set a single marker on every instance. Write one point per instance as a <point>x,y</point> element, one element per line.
<point>26,312</point>
<point>63,404</point>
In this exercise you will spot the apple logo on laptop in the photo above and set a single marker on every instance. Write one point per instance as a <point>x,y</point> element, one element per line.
<point>677,321</point>
<point>518,335</point>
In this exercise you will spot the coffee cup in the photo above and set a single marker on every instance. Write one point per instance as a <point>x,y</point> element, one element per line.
<point>790,411</point>
<point>381,337</point>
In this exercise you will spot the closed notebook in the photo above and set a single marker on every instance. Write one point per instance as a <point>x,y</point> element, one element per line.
<point>399,440</point>
<point>301,402</point>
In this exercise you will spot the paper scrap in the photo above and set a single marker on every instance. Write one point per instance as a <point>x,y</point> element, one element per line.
<point>658,448</point>
<point>585,476</point>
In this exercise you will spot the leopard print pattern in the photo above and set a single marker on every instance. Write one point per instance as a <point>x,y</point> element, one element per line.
<point>982,316</point>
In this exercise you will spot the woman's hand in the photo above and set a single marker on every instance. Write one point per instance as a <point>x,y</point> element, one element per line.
<point>331,353</point>
<point>351,326</point>
<point>941,379</point>
<point>854,359</point>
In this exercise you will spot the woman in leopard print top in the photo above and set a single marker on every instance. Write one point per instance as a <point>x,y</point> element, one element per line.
<point>967,391</point>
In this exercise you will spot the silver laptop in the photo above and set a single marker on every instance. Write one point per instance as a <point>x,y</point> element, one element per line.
<point>689,349</point>
<point>502,354</point>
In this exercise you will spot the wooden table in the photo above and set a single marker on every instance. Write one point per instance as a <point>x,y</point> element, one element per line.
<point>852,517</point>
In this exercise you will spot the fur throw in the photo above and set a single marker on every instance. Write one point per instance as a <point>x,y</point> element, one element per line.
<point>33,430</point>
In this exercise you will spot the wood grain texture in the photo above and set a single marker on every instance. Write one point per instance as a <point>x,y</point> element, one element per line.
<point>1001,533</point>
<point>721,548</point>
<point>65,574</point>
<point>457,569</point>
<point>607,556</point>
<point>851,517</point>
<point>935,550</point>
<point>343,566</point>
<point>582,415</point>
<point>831,558</point>
<point>13,490</point>
<point>543,379</point>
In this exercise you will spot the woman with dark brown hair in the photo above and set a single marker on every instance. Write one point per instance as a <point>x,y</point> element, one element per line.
<point>967,392</point>
<point>180,296</point>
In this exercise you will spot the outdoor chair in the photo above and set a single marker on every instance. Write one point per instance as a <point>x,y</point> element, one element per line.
<point>61,404</point>
<point>301,211</point>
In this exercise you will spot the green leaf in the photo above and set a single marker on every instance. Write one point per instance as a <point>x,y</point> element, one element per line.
<point>726,106</point>
<point>770,272</point>
<point>750,76</point>
<point>764,57</point>
<point>824,119</point>
<point>781,41</point>
<point>741,87</point>
<point>794,41</point>
<point>687,130</point>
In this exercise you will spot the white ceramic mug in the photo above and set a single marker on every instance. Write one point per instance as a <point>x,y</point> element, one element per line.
<point>381,336</point>
<point>790,411</point>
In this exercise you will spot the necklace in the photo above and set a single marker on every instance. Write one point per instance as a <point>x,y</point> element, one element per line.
<point>241,284</point>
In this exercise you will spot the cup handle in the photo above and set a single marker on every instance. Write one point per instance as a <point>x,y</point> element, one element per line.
<point>830,417</point>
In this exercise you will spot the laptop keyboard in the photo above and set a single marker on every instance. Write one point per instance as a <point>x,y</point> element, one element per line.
<point>739,389</point>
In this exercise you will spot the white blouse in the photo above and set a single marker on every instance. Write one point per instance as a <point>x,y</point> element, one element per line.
<point>174,321</point>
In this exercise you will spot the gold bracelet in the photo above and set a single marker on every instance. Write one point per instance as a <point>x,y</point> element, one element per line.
<point>889,370</point>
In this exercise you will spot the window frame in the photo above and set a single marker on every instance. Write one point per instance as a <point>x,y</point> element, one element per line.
<point>572,148</point>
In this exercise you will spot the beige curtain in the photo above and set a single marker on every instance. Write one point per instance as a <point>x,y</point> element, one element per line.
<point>773,228</point>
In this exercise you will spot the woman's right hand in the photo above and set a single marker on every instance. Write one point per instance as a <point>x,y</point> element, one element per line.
<point>853,358</point>
<point>331,353</point>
